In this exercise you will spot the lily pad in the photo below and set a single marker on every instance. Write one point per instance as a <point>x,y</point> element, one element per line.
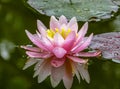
<point>83,10</point>
<point>108,44</point>
<point>116,2</point>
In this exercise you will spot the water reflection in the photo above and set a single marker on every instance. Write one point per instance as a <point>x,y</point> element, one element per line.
<point>116,23</point>
<point>6,48</point>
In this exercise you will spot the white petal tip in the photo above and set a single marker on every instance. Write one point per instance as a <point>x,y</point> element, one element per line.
<point>74,18</point>
<point>53,17</point>
<point>88,81</point>
<point>38,20</point>
<point>86,23</point>
<point>91,35</point>
<point>25,67</point>
<point>27,32</point>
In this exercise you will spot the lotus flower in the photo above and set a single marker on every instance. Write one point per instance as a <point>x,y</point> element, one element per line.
<point>58,52</point>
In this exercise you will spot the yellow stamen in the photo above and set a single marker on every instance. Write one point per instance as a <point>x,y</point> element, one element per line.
<point>64,33</point>
<point>67,32</point>
<point>56,29</point>
<point>50,33</point>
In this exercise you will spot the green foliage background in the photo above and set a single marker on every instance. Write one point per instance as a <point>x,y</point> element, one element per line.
<point>15,17</point>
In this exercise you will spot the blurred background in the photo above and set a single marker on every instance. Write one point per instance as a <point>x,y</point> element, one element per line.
<point>15,17</point>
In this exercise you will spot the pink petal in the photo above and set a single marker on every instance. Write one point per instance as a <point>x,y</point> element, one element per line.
<point>68,76</point>
<point>30,48</point>
<point>64,26</point>
<point>45,71</point>
<point>39,23</point>
<point>47,43</point>
<point>77,75</point>
<point>29,63</point>
<point>82,32</point>
<point>84,72</point>
<point>69,41</point>
<point>58,40</point>
<point>38,34</point>
<point>83,46</point>
<point>38,67</point>
<point>88,54</point>
<point>39,62</point>
<point>73,24</point>
<point>55,62</point>
<point>41,27</point>
<point>35,40</point>
<point>57,75</point>
<point>74,65</point>
<point>62,20</point>
<point>59,52</point>
<point>54,23</point>
<point>77,59</point>
<point>43,55</point>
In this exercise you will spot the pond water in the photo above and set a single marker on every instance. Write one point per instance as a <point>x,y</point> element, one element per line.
<point>15,17</point>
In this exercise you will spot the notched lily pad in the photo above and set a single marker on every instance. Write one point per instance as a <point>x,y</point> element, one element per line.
<point>83,10</point>
<point>109,44</point>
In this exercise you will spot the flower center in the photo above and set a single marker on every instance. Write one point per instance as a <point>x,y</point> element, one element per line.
<point>63,32</point>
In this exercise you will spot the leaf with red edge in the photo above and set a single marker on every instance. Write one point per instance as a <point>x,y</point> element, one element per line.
<point>108,44</point>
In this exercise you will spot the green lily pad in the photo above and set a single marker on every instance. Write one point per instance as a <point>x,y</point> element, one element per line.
<point>83,10</point>
<point>117,2</point>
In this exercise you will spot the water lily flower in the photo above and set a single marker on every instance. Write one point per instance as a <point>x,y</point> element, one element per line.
<point>58,52</point>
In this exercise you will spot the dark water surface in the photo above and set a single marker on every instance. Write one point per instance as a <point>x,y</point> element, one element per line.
<point>15,17</point>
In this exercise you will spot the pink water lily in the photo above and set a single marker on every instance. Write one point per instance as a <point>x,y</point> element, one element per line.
<point>59,51</point>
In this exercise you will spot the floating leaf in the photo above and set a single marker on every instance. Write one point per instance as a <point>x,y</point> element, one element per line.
<point>108,44</point>
<point>116,2</point>
<point>83,10</point>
